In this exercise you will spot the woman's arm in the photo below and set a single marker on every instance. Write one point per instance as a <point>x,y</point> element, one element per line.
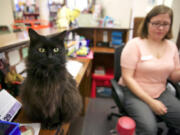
<point>175,75</point>
<point>157,106</point>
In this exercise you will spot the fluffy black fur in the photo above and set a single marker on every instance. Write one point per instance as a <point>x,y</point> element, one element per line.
<point>49,93</point>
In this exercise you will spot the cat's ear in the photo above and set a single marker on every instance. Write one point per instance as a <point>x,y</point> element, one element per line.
<point>61,36</point>
<point>33,34</point>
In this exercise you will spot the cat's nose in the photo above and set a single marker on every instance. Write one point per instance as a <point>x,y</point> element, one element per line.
<point>49,55</point>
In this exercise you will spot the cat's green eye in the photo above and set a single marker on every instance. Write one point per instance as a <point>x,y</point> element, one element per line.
<point>42,50</point>
<point>56,50</point>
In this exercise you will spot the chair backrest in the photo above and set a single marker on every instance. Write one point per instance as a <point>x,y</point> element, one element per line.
<point>117,67</point>
<point>117,93</point>
<point>174,88</point>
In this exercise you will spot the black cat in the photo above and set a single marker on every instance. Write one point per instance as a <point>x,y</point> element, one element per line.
<point>49,93</point>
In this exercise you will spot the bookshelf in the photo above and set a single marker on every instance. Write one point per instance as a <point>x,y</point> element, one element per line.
<point>103,55</point>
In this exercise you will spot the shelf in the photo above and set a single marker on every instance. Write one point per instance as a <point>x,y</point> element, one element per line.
<point>19,39</point>
<point>102,50</point>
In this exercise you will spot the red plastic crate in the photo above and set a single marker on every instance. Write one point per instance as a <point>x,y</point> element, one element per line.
<point>101,80</point>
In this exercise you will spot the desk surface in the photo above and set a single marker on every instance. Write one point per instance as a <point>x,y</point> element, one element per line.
<point>21,117</point>
<point>80,75</point>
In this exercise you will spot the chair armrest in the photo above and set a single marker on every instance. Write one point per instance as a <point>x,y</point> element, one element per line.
<point>177,88</point>
<point>118,90</point>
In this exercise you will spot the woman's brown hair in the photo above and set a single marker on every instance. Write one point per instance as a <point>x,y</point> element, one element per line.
<point>160,9</point>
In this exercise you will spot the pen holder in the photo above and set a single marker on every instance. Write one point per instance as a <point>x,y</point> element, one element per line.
<point>9,128</point>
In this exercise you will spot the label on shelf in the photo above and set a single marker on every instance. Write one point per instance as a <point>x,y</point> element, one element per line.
<point>105,36</point>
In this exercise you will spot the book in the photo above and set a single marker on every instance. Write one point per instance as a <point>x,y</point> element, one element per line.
<point>9,106</point>
<point>100,70</point>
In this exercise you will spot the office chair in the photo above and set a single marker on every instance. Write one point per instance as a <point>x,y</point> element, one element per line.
<point>117,92</point>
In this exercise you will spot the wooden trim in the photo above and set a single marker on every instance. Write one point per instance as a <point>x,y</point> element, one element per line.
<point>95,39</point>
<point>102,50</point>
<point>137,23</point>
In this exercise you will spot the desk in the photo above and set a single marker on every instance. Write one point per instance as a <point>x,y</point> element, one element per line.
<point>82,79</point>
<point>85,69</point>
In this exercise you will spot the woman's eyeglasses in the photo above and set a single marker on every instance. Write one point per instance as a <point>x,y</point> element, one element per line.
<point>158,24</point>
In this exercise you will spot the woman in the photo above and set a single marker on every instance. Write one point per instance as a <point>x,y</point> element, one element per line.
<point>147,62</point>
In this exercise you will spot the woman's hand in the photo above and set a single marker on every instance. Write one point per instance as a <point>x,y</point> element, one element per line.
<point>158,107</point>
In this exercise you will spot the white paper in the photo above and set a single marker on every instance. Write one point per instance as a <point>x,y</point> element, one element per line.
<point>20,67</point>
<point>2,55</point>
<point>73,67</point>
<point>24,75</point>
<point>14,57</point>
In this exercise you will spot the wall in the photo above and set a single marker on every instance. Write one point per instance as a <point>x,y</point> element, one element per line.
<point>123,11</point>
<point>119,10</point>
<point>176,21</point>
<point>6,13</point>
<point>43,9</point>
<point>141,7</point>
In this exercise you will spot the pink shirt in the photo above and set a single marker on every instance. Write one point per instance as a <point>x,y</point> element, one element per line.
<point>150,72</point>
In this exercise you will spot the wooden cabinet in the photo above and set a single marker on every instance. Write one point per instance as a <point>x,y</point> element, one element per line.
<point>95,34</point>
<point>103,56</point>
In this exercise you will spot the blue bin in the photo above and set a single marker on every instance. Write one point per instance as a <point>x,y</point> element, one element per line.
<point>117,34</point>
<point>116,38</point>
<point>117,42</point>
<point>9,128</point>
